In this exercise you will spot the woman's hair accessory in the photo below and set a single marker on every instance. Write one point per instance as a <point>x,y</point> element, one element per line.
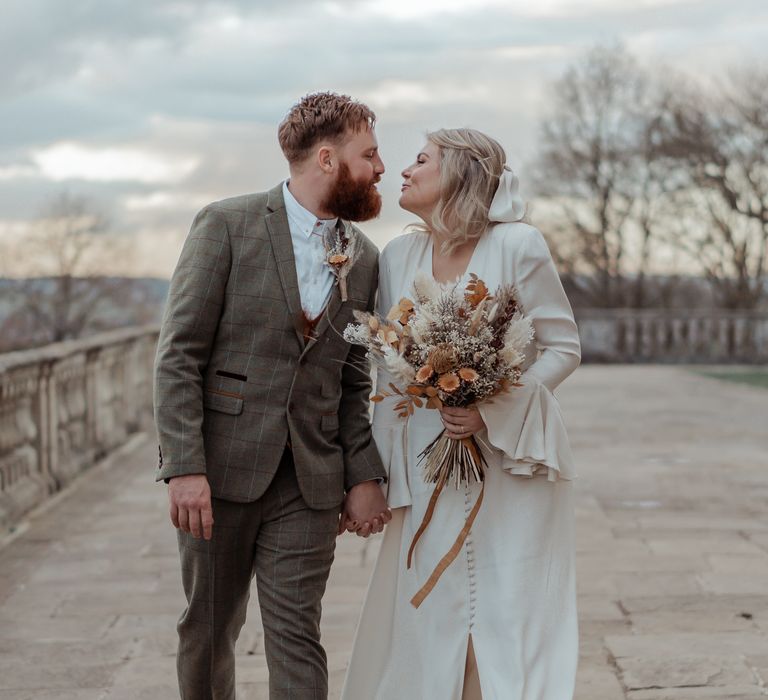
<point>507,206</point>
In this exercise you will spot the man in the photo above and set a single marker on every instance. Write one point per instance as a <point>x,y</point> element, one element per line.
<point>262,407</point>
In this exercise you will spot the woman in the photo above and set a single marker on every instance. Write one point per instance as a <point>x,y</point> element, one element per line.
<point>500,624</point>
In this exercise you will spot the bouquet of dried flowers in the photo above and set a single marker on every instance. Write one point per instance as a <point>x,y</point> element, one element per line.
<point>449,347</point>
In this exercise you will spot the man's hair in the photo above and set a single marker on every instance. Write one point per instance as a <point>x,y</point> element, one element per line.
<point>321,116</point>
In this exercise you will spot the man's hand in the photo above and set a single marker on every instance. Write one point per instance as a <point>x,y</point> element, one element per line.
<point>365,510</point>
<point>189,498</point>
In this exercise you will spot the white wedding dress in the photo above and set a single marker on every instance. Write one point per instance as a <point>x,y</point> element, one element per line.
<point>512,587</point>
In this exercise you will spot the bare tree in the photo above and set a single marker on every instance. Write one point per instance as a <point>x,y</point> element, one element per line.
<point>62,294</point>
<point>718,144</point>
<point>599,178</point>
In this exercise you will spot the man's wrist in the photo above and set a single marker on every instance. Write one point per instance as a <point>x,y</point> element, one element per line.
<point>376,480</point>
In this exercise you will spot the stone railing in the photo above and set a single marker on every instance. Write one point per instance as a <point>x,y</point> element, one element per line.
<point>661,335</point>
<point>64,406</point>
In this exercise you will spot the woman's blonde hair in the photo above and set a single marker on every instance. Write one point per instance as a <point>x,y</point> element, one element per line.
<point>471,164</point>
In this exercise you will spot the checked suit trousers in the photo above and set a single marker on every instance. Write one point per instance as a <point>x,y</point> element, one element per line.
<point>288,548</point>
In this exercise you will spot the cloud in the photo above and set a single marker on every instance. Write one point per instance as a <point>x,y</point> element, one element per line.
<point>18,172</point>
<point>390,94</point>
<point>153,107</point>
<point>73,161</point>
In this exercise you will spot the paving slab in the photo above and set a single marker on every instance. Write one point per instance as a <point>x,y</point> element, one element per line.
<point>672,556</point>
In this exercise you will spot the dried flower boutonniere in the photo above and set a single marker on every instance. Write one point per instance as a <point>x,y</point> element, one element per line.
<point>341,252</point>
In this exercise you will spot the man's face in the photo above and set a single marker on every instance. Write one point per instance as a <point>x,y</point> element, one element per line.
<point>360,151</point>
<point>353,195</point>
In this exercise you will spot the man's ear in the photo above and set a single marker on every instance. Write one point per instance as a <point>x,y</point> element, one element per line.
<point>326,159</point>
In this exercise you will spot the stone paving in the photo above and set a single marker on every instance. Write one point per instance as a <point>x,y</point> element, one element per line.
<point>672,555</point>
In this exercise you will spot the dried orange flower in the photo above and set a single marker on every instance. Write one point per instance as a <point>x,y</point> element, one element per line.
<point>443,358</point>
<point>468,374</point>
<point>449,382</point>
<point>424,373</point>
<point>338,259</point>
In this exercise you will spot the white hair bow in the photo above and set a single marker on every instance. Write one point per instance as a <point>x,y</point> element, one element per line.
<point>507,205</point>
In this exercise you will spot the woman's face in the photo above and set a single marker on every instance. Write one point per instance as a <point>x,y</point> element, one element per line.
<point>421,183</point>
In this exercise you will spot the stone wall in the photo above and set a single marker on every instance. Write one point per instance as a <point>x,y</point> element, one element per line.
<point>668,336</point>
<point>64,406</point>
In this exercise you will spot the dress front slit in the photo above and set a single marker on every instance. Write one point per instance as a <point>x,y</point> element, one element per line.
<point>471,689</point>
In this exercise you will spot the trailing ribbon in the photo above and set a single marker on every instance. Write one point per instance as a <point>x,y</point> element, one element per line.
<point>425,520</point>
<point>452,553</point>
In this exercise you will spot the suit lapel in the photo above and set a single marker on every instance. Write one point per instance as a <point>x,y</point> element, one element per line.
<point>282,247</point>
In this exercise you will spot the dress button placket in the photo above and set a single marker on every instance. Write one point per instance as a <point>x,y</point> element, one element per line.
<point>470,558</point>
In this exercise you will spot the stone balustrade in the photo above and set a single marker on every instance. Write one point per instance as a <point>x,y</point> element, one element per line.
<point>66,405</point>
<point>668,336</point>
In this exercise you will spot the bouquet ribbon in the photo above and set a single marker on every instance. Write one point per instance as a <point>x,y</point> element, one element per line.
<point>453,552</point>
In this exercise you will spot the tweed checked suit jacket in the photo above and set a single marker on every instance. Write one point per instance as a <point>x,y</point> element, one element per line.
<point>235,378</point>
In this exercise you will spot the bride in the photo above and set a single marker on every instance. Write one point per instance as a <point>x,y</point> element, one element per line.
<point>500,623</point>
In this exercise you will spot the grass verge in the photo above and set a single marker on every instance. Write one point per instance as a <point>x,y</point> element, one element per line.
<point>754,376</point>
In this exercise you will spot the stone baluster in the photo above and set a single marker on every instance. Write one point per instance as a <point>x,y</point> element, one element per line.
<point>662,335</point>
<point>64,406</point>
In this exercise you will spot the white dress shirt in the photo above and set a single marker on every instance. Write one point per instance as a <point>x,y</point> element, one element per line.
<point>314,275</point>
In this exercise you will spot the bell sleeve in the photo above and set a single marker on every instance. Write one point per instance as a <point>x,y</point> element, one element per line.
<point>525,424</point>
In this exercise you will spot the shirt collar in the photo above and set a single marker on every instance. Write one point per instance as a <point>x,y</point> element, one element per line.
<point>304,219</point>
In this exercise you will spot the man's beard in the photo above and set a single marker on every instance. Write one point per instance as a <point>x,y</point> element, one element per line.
<point>351,199</point>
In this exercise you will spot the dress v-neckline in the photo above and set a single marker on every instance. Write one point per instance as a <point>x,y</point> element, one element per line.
<point>470,265</point>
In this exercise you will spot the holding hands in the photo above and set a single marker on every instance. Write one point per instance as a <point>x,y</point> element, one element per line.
<point>365,510</point>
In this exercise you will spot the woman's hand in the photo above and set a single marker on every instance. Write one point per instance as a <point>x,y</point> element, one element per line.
<point>365,510</point>
<point>461,423</point>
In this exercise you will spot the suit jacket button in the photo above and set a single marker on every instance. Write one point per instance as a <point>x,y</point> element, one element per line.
<point>291,406</point>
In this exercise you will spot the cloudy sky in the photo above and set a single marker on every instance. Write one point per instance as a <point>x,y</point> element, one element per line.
<point>152,108</point>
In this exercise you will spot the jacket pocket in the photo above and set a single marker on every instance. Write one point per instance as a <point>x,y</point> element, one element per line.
<point>222,402</point>
<point>329,422</point>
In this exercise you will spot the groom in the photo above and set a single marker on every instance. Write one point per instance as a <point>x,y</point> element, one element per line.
<point>262,407</point>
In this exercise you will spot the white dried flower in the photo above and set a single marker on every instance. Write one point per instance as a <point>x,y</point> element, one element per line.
<point>425,287</point>
<point>420,324</point>
<point>512,356</point>
<point>357,334</point>
<point>397,365</point>
<point>519,333</point>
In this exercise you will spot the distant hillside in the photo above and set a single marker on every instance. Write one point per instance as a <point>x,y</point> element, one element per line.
<point>26,305</point>
<point>33,311</point>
